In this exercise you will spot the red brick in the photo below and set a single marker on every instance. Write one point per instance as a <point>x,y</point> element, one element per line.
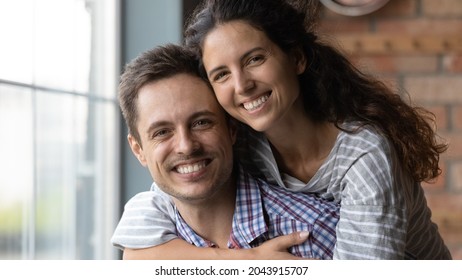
<point>434,85</point>
<point>445,201</point>
<point>434,89</point>
<point>391,81</point>
<point>398,9</point>
<point>456,176</point>
<point>456,251</point>
<point>447,214</point>
<point>330,15</point>
<point>457,117</point>
<point>442,8</point>
<point>438,184</point>
<point>420,26</point>
<point>454,140</point>
<point>452,63</point>
<point>347,25</point>
<point>399,64</point>
<point>441,116</point>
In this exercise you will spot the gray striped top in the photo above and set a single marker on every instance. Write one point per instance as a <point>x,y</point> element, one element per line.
<point>383,213</point>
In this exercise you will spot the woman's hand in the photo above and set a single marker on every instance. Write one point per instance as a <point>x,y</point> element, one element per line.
<point>277,248</point>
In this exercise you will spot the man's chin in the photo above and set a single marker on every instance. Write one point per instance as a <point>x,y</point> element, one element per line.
<point>190,192</point>
<point>192,199</point>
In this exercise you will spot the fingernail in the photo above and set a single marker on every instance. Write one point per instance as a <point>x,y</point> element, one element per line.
<point>304,234</point>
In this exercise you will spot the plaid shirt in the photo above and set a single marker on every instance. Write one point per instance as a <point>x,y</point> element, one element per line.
<point>264,212</point>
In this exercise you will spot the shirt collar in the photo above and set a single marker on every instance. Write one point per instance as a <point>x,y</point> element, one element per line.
<point>248,220</point>
<point>188,234</point>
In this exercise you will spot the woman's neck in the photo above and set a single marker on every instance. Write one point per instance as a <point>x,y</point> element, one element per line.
<point>300,146</point>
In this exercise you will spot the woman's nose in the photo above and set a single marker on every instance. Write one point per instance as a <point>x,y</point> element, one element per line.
<point>243,83</point>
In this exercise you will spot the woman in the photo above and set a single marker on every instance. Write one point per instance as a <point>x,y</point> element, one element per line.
<point>318,125</point>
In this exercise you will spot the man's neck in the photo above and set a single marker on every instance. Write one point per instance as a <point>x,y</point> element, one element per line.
<point>211,218</point>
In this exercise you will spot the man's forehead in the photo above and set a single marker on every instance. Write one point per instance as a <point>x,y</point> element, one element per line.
<point>179,93</point>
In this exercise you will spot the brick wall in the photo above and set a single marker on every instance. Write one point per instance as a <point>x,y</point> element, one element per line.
<point>417,45</point>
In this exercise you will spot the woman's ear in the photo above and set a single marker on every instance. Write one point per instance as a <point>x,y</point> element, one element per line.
<point>299,58</point>
<point>137,150</point>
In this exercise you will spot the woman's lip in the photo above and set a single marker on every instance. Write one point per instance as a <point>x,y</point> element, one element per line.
<point>256,103</point>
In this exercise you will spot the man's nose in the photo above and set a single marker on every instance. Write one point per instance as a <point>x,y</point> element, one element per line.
<point>186,142</point>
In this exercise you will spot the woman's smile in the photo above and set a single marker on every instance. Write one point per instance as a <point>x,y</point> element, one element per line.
<point>257,103</point>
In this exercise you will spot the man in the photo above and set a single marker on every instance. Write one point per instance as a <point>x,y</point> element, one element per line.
<point>181,134</point>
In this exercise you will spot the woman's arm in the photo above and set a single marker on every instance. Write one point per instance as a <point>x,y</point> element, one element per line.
<point>146,230</point>
<point>179,249</point>
<point>148,220</point>
<point>373,215</point>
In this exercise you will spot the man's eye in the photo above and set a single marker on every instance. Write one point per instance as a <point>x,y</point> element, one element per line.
<point>202,123</point>
<point>160,133</point>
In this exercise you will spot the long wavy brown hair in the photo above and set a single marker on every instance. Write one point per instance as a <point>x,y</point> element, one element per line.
<point>332,88</point>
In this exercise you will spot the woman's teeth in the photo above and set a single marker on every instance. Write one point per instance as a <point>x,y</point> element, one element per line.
<point>249,106</point>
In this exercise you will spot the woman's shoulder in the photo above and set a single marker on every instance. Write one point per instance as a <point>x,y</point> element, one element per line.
<point>372,173</point>
<point>360,139</point>
<point>363,151</point>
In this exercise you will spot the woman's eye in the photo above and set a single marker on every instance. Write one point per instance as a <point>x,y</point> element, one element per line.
<point>219,77</point>
<point>255,60</point>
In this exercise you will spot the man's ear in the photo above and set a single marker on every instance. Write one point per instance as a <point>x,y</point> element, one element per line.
<point>299,58</point>
<point>137,150</point>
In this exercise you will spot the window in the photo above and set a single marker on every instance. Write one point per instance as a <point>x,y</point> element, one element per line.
<point>60,129</point>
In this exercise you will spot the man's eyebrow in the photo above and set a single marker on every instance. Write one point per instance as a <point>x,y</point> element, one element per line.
<point>155,125</point>
<point>203,113</point>
<point>246,54</point>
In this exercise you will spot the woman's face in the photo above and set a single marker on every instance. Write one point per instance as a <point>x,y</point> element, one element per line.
<point>253,79</point>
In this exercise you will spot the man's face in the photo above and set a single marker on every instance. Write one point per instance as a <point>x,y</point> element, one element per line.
<point>186,140</point>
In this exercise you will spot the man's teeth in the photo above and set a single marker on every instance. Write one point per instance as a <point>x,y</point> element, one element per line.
<point>256,103</point>
<point>190,168</point>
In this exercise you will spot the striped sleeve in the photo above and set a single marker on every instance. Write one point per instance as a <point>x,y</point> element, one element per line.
<point>148,220</point>
<point>373,217</point>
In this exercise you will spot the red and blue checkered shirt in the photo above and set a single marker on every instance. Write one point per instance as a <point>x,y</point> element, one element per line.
<point>263,212</point>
